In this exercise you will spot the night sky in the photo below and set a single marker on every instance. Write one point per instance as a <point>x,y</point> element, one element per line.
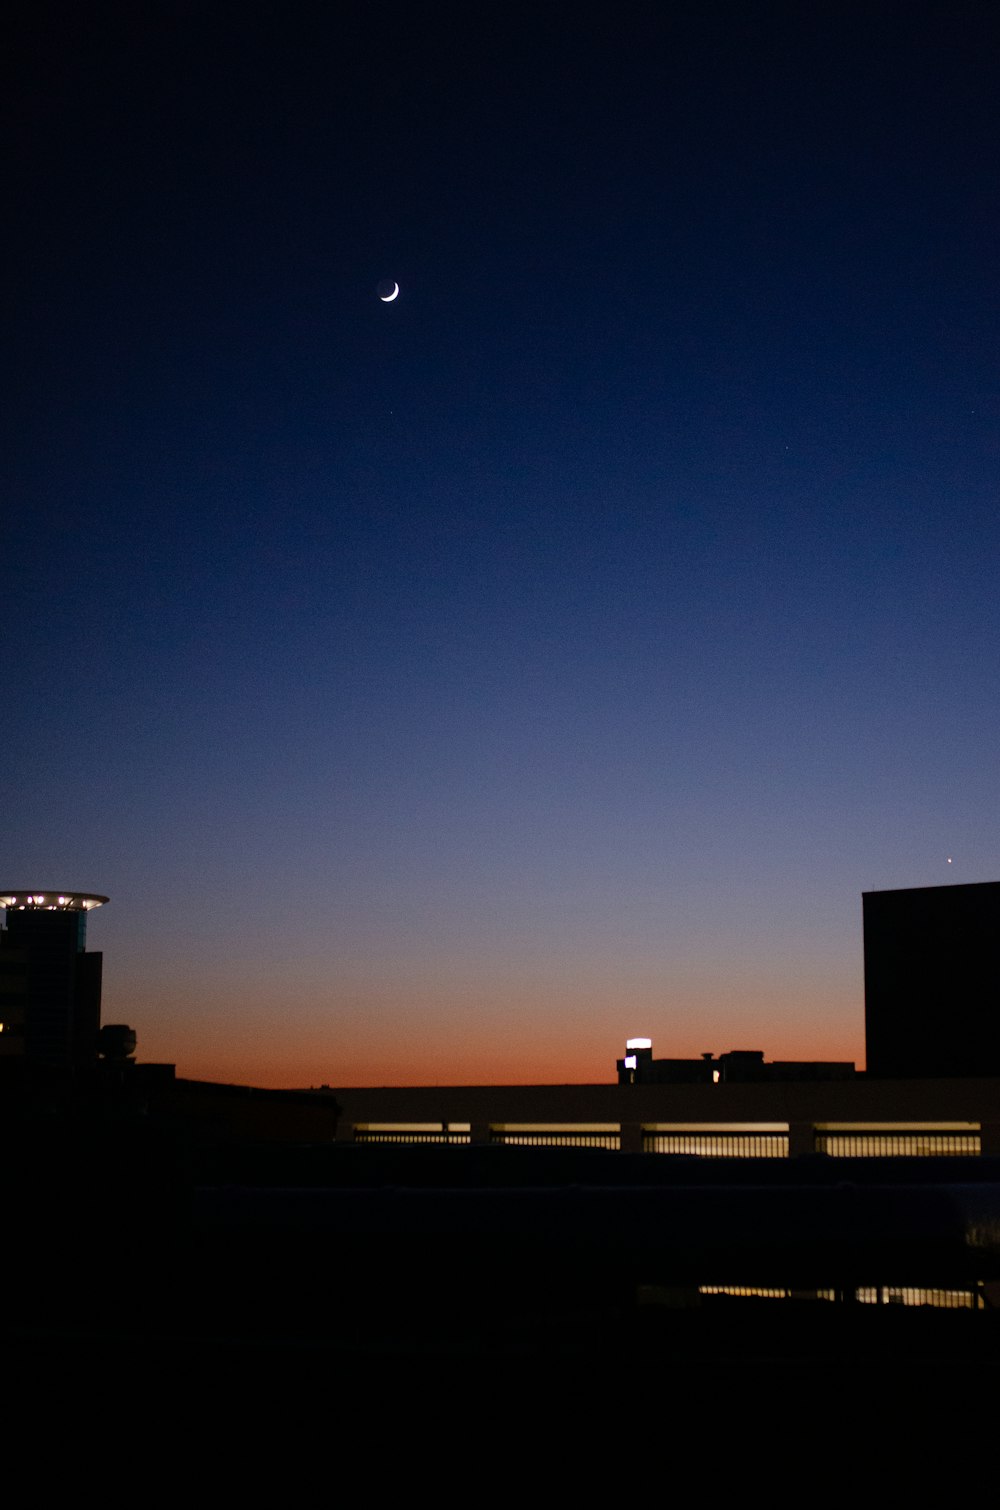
<point>443,690</point>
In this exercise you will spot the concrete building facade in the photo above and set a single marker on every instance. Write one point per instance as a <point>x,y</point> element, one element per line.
<point>860,1117</point>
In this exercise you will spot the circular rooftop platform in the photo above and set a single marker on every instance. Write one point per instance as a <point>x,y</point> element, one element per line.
<point>52,901</point>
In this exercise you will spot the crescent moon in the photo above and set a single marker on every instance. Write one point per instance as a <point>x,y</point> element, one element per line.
<point>388,298</point>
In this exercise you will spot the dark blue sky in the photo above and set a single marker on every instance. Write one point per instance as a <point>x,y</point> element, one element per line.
<point>444,689</point>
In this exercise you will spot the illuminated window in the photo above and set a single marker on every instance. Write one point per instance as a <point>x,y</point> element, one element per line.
<point>921,1140</point>
<point>949,1300</point>
<point>940,1300</point>
<point>413,1132</point>
<point>718,1140</point>
<point>558,1135</point>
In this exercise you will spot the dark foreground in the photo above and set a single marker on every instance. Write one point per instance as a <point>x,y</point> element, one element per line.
<point>158,1260</point>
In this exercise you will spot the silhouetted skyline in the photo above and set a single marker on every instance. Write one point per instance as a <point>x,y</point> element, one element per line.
<point>447,689</point>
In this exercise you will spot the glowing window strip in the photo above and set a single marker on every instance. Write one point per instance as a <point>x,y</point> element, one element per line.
<point>718,1146</point>
<point>941,1300</point>
<point>413,1127</point>
<point>897,1126</point>
<point>556,1127</point>
<point>897,1145</point>
<point>716,1127</point>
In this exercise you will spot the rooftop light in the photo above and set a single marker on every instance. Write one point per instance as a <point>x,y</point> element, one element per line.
<point>69,901</point>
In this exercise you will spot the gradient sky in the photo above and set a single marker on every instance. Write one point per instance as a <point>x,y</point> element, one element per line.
<point>444,690</point>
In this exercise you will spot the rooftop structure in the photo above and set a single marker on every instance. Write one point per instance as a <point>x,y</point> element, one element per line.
<point>51,901</point>
<point>738,1066</point>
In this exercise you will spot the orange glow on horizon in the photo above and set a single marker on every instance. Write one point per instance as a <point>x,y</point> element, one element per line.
<point>474,1033</point>
<point>503,1065</point>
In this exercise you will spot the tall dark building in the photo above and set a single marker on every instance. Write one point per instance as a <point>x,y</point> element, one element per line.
<point>50,987</point>
<point>932,981</point>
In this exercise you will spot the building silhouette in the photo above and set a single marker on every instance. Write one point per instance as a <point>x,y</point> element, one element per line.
<point>738,1066</point>
<point>932,981</point>
<point>50,985</point>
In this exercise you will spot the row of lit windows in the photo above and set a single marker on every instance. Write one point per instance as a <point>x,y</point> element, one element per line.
<point>946,1300</point>
<point>911,1145</point>
<point>757,1292</point>
<point>719,1145</point>
<point>559,1140</point>
<point>523,1139</point>
<point>713,1141</point>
